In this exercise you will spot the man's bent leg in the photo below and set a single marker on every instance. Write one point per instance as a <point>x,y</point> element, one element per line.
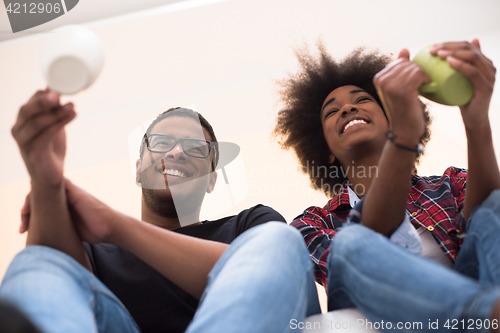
<point>389,284</point>
<point>60,295</point>
<point>479,256</point>
<point>263,283</point>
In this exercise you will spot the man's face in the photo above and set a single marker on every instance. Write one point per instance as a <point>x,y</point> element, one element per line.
<point>174,176</point>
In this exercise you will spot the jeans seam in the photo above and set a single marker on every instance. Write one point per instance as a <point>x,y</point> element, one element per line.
<point>302,295</point>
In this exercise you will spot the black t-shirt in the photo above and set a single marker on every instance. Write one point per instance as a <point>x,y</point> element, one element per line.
<point>155,303</point>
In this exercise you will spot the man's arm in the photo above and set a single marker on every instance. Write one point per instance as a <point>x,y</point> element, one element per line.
<point>184,260</point>
<point>39,133</point>
<point>483,174</point>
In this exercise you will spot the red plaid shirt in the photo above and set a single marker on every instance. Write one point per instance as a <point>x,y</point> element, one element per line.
<point>434,202</point>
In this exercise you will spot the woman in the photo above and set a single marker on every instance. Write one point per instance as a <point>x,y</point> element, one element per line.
<point>355,146</point>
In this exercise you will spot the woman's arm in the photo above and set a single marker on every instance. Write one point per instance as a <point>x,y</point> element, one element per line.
<point>397,85</point>
<point>483,174</point>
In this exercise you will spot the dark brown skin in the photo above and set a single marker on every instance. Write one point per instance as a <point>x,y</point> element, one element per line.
<point>39,133</point>
<point>397,85</point>
<point>365,145</point>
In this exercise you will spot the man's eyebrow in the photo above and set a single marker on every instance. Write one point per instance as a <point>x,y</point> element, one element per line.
<point>333,99</point>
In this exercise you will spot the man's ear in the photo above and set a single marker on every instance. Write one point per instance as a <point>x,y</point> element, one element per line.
<point>138,171</point>
<point>211,183</point>
<point>332,159</point>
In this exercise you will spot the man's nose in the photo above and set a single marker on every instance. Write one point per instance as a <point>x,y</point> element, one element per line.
<point>177,153</point>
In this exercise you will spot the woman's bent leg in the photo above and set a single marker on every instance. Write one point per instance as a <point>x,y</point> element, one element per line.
<point>405,291</point>
<point>479,256</point>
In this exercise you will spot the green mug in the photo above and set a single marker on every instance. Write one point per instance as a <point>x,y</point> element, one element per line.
<point>448,86</point>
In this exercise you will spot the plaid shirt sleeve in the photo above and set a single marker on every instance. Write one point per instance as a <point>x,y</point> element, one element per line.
<point>317,230</point>
<point>458,181</point>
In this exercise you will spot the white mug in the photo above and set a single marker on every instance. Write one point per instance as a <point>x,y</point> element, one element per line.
<point>72,58</point>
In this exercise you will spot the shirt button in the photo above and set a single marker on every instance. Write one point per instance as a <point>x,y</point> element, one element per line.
<point>430,228</point>
<point>414,214</point>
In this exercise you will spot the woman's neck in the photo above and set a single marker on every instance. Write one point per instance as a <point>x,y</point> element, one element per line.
<point>361,171</point>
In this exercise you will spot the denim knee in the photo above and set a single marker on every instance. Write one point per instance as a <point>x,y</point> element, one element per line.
<point>269,244</point>
<point>491,205</point>
<point>485,218</point>
<point>271,235</point>
<point>42,258</point>
<point>36,263</point>
<point>492,201</point>
<point>286,234</point>
<point>350,239</point>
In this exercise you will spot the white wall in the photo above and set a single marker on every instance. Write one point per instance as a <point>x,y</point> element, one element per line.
<point>223,58</point>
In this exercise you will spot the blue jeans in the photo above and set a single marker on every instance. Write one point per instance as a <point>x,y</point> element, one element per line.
<point>262,281</point>
<point>59,295</point>
<point>388,283</point>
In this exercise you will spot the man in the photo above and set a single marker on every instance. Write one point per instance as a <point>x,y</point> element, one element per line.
<point>157,274</point>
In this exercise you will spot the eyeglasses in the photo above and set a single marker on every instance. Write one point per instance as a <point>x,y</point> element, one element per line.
<point>159,143</point>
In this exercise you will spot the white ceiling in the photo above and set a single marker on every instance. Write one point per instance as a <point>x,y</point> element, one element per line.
<point>85,11</point>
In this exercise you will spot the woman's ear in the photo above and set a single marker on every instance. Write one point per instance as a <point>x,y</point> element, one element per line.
<point>332,159</point>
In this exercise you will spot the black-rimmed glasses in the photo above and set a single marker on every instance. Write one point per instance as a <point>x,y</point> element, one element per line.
<point>159,143</point>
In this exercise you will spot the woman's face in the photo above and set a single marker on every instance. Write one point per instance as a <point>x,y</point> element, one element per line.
<point>352,120</point>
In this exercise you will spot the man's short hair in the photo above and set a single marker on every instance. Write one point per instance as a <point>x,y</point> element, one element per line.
<point>187,113</point>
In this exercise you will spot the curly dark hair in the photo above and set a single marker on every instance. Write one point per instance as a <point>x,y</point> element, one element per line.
<point>299,124</point>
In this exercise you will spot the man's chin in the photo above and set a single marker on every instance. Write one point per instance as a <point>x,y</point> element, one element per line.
<point>159,201</point>
<point>177,204</point>
<point>163,193</point>
<point>170,195</point>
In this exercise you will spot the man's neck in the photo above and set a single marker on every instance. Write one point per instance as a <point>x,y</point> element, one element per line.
<point>169,223</point>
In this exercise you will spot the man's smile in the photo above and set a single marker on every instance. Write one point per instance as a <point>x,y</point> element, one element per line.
<point>174,172</point>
